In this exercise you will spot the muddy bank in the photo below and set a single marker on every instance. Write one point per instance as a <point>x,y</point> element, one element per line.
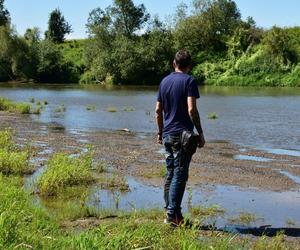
<point>137,154</point>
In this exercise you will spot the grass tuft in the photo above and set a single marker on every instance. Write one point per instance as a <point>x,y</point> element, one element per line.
<point>112,109</point>
<point>207,212</point>
<point>14,107</point>
<point>37,110</point>
<point>60,109</point>
<point>212,116</point>
<point>114,182</point>
<point>128,109</point>
<point>244,218</point>
<point>12,161</point>
<point>63,171</point>
<point>91,108</point>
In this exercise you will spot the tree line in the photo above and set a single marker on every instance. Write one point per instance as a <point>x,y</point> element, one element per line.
<point>125,45</point>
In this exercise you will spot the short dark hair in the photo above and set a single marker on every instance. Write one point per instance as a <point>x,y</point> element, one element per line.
<point>183,59</point>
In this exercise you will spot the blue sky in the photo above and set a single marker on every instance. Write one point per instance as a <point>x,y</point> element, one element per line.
<point>30,13</point>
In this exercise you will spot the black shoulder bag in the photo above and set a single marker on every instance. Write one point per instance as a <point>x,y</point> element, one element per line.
<point>189,142</point>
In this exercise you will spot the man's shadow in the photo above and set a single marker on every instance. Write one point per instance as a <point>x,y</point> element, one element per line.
<point>266,230</point>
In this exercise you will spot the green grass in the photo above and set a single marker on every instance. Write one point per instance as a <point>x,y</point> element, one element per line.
<point>12,160</point>
<point>128,109</point>
<point>212,116</point>
<point>14,163</point>
<point>101,167</point>
<point>113,182</point>
<point>63,171</point>
<point>112,109</point>
<point>60,109</point>
<point>290,223</point>
<point>155,172</point>
<point>14,107</point>
<point>91,107</point>
<point>6,140</point>
<point>201,211</point>
<point>244,218</point>
<point>37,110</point>
<point>163,171</point>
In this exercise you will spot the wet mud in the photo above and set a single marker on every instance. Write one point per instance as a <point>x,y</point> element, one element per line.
<point>138,155</point>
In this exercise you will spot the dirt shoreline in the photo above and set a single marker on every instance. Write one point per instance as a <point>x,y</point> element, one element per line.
<point>137,155</point>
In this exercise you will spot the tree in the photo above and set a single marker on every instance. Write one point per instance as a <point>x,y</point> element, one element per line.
<point>179,16</point>
<point>278,44</point>
<point>58,27</point>
<point>4,14</point>
<point>5,53</point>
<point>209,27</point>
<point>122,18</point>
<point>127,17</point>
<point>33,35</point>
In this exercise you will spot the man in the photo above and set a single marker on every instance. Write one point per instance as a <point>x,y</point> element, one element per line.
<point>176,111</point>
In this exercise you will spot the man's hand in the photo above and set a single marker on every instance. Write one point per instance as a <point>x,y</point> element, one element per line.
<point>159,139</point>
<point>159,121</point>
<point>201,140</point>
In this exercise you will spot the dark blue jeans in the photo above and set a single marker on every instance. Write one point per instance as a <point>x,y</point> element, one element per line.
<point>177,162</point>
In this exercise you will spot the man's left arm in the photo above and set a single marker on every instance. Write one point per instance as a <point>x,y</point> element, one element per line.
<point>159,121</point>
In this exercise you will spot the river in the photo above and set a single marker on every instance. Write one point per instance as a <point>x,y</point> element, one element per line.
<point>264,118</point>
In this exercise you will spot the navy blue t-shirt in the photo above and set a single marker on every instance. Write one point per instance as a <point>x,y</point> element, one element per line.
<point>173,93</point>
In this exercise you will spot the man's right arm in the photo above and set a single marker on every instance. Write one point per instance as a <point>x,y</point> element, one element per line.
<point>195,117</point>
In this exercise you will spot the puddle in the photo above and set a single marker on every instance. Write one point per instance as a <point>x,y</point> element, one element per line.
<point>39,144</point>
<point>47,151</point>
<point>161,151</point>
<point>273,207</point>
<point>83,141</point>
<point>251,158</point>
<point>30,180</point>
<point>295,178</point>
<point>281,151</point>
<point>295,166</point>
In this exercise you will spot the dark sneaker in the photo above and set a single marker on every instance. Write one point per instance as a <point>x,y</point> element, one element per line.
<point>174,220</point>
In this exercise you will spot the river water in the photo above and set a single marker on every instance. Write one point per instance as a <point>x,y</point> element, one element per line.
<point>265,118</point>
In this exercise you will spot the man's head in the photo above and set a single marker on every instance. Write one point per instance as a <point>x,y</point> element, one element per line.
<point>183,60</point>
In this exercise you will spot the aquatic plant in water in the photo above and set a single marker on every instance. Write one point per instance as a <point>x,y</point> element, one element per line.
<point>112,109</point>
<point>91,107</point>
<point>212,116</point>
<point>14,107</point>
